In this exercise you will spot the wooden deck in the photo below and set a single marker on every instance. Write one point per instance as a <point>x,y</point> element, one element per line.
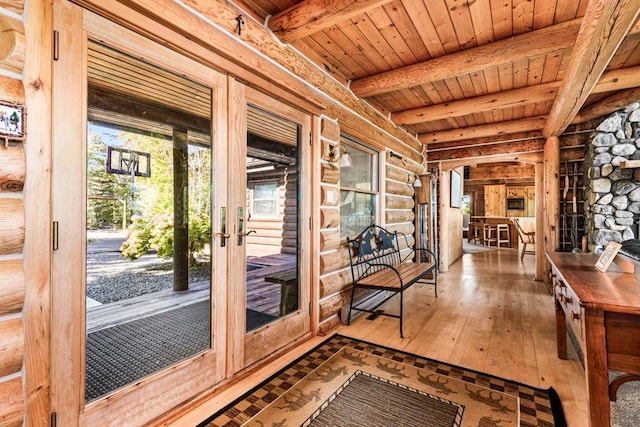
<point>262,296</point>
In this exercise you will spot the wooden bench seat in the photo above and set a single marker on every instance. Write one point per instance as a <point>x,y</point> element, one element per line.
<point>377,264</point>
<point>288,281</point>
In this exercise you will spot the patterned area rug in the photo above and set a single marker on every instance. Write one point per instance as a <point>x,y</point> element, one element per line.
<point>346,382</point>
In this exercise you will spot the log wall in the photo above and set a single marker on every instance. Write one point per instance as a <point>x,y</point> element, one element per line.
<point>396,213</point>
<point>12,221</point>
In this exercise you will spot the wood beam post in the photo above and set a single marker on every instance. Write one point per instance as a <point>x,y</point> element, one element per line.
<point>539,246</point>
<point>624,78</point>
<point>180,210</point>
<point>481,131</point>
<point>551,193</point>
<point>312,16</point>
<point>604,26</point>
<point>540,42</point>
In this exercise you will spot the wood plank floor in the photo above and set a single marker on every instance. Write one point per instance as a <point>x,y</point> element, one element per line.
<point>490,316</point>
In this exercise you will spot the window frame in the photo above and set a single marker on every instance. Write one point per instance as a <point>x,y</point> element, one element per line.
<point>350,143</point>
<point>252,199</point>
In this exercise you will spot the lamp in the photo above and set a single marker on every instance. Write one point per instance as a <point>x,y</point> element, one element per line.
<point>417,183</point>
<point>345,159</point>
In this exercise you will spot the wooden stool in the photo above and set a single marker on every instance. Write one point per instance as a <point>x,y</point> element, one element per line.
<point>502,231</point>
<point>490,235</point>
<point>473,235</point>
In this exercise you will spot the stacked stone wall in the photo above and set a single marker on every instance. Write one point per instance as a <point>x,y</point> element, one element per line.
<point>612,196</point>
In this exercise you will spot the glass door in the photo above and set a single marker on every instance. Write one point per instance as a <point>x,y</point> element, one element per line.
<point>136,311</point>
<point>268,211</point>
<point>148,220</point>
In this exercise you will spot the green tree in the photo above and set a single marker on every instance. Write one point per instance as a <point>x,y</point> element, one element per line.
<point>152,228</point>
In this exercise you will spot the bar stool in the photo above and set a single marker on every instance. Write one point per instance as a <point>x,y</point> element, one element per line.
<point>490,235</point>
<point>502,231</point>
<point>473,235</point>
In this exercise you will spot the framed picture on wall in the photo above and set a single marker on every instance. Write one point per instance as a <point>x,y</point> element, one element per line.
<point>456,189</point>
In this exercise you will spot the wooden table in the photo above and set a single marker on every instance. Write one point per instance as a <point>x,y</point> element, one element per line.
<point>603,310</point>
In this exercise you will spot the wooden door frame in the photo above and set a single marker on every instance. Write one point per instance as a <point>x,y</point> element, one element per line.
<point>160,392</point>
<point>246,349</point>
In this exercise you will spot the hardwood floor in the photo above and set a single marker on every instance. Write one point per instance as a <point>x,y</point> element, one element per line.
<point>490,316</point>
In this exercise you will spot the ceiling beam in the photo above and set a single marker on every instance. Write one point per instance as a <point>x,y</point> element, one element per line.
<point>312,16</point>
<point>608,105</point>
<point>492,129</point>
<point>623,78</point>
<point>523,46</point>
<point>604,27</point>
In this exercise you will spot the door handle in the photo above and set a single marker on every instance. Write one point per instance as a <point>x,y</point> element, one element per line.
<point>223,228</point>
<point>241,232</point>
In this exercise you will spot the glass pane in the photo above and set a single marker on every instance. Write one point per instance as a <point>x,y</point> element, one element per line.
<point>148,220</point>
<point>272,242</point>
<point>363,174</point>
<point>265,198</point>
<point>357,211</point>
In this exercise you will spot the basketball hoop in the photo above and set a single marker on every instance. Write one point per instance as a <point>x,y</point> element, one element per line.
<point>128,162</point>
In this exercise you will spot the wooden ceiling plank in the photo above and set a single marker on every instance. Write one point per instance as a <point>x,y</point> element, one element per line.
<point>312,50</point>
<point>481,21</point>
<point>321,44</point>
<point>612,80</point>
<point>462,23</point>
<point>387,56</point>
<point>604,26</point>
<point>312,16</point>
<point>439,13</point>
<point>400,19</point>
<point>516,48</point>
<point>522,16</point>
<point>421,20</point>
<point>543,13</point>
<point>388,30</point>
<point>493,129</point>
<point>344,46</point>
<point>567,10</point>
<point>502,19</point>
<point>624,54</point>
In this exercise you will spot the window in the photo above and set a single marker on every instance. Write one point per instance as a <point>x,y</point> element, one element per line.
<point>358,189</point>
<point>264,200</point>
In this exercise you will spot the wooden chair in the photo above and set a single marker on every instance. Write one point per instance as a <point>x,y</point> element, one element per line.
<point>527,238</point>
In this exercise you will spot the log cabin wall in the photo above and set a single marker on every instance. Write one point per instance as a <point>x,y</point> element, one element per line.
<point>12,220</point>
<point>25,294</point>
<point>278,234</point>
<point>398,174</point>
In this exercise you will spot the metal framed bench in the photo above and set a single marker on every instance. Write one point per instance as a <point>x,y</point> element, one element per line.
<point>377,264</point>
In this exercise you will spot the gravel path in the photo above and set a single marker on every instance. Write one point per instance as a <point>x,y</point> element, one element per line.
<point>111,277</point>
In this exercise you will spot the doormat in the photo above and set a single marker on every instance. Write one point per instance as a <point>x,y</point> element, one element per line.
<point>348,382</point>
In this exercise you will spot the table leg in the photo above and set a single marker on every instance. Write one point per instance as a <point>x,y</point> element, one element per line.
<point>596,364</point>
<point>561,331</point>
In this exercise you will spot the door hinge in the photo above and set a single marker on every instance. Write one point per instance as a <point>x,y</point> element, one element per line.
<point>54,420</point>
<point>310,223</point>
<point>54,235</point>
<point>56,45</point>
<point>310,308</point>
<point>310,138</point>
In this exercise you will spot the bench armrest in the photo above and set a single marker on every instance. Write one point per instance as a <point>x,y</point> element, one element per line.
<point>416,250</point>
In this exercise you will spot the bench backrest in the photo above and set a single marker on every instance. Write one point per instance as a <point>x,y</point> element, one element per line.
<point>372,250</point>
